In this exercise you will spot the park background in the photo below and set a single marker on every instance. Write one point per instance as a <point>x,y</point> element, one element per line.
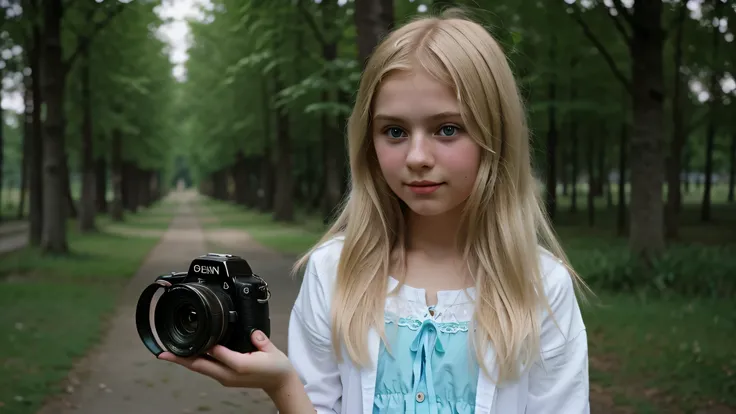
<point>631,105</point>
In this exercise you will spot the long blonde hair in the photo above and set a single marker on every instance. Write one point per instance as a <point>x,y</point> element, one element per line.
<point>502,247</point>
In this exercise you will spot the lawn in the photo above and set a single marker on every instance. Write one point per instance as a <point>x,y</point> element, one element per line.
<point>658,355</point>
<point>650,352</point>
<point>156,217</point>
<point>54,309</point>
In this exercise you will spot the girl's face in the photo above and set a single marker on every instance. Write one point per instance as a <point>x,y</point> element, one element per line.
<point>426,156</point>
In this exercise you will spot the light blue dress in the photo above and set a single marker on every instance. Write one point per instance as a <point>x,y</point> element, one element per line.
<point>429,367</point>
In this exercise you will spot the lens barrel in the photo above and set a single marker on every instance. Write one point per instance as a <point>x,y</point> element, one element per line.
<point>191,318</point>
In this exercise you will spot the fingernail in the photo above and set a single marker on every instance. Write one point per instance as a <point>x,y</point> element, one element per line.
<point>260,337</point>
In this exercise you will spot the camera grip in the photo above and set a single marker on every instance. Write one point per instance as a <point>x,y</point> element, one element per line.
<point>253,311</point>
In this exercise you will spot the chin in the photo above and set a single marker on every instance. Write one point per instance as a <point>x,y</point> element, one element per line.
<point>428,208</point>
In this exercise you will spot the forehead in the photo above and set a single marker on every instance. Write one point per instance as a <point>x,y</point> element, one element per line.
<point>414,93</point>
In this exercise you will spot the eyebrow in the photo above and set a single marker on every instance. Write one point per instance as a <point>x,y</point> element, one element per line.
<point>435,117</point>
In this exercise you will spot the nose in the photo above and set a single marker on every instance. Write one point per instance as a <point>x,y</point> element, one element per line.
<point>420,155</point>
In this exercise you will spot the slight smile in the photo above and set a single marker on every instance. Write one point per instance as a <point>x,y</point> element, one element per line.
<point>424,187</point>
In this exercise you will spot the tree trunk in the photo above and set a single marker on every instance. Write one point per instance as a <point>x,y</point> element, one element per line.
<point>552,154</point>
<point>2,145</point>
<point>574,160</point>
<point>368,24</point>
<point>705,207</point>
<point>130,187</point>
<point>283,204</point>
<point>732,172</point>
<point>71,211</point>
<point>715,97</point>
<point>267,170</point>
<point>387,15</point>
<point>252,181</point>
<point>87,207</point>
<point>54,238</point>
<point>27,134</point>
<point>101,184</point>
<point>35,176</point>
<point>344,98</point>
<point>686,170</point>
<point>240,175</point>
<point>564,171</point>
<point>621,207</point>
<point>609,192</point>
<point>646,225</point>
<point>674,164</point>
<point>116,170</point>
<point>332,138</point>
<point>144,188</point>
<point>591,182</point>
<point>601,173</point>
<point>219,185</point>
<point>331,165</point>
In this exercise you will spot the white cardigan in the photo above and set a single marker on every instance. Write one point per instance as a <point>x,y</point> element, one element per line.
<point>558,385</point>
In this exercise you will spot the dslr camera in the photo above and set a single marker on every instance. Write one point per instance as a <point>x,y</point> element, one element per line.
<point>218,301</point>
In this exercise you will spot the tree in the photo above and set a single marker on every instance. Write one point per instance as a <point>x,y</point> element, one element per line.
<point>641,28</point>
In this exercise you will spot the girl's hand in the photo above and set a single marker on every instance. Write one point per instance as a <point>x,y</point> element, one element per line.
<point>268,368</point>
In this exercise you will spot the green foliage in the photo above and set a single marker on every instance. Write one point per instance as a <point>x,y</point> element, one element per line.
<point>131,82</point>
<point>41,297</point>
<point>684,270</point>
<point>661,355</point>
<point>12,151</point>
<point>250,60</point>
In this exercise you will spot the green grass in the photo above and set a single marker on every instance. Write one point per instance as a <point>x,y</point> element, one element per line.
<point>53,311</point>
<point>664,348</point>
<point>650,354</point>
<point>156,217</point>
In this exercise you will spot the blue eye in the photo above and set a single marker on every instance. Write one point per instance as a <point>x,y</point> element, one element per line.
<point>449,130</point>
<point>395,132</point>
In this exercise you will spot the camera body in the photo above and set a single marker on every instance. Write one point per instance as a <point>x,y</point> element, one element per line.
<point>219,300</point>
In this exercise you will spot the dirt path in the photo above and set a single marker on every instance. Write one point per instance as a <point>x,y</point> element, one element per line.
<point>121,376</point>
<point>13,236</point>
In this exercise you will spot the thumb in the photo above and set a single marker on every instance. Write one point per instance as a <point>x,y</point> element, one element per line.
<point>262,342</point>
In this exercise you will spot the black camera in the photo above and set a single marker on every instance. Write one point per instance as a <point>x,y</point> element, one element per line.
<point>218,301</point>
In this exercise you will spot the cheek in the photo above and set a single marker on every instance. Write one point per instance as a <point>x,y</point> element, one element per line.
<point>463,161</point>
<point>390,158</point>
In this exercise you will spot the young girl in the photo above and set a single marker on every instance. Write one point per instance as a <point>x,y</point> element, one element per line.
<point>431,293</point>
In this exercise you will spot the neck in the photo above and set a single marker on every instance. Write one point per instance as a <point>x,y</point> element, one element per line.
<point>433,235</point>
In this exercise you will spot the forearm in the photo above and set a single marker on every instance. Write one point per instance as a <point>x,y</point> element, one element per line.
<point>291,398</point>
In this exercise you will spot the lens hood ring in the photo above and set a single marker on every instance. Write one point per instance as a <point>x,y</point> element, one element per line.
<point>142,313</point>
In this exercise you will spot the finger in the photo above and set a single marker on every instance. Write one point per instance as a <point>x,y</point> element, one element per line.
<point>241,363</point>
<point>168,356</point>
<point>262,342</point>
<point>204,366</point>
<point>249,362</point>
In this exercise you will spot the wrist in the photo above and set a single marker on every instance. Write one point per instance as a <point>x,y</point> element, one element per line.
<point>290,397</point>
<point>290,385</point>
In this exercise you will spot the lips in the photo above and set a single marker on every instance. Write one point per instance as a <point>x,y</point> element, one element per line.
<point>423,183</point>
<point>424,187</point>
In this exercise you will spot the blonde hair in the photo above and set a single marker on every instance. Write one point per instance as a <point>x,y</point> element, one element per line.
<point>502,247</point>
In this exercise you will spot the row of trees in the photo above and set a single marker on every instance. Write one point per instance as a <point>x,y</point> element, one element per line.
<point>98,88</point>
<point>644,89</point>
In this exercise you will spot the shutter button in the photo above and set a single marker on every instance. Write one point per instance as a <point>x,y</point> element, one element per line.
<point>420,397</point>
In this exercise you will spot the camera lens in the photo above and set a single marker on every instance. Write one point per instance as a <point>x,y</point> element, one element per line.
<point>186,320</point>
<point>190,319</point>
